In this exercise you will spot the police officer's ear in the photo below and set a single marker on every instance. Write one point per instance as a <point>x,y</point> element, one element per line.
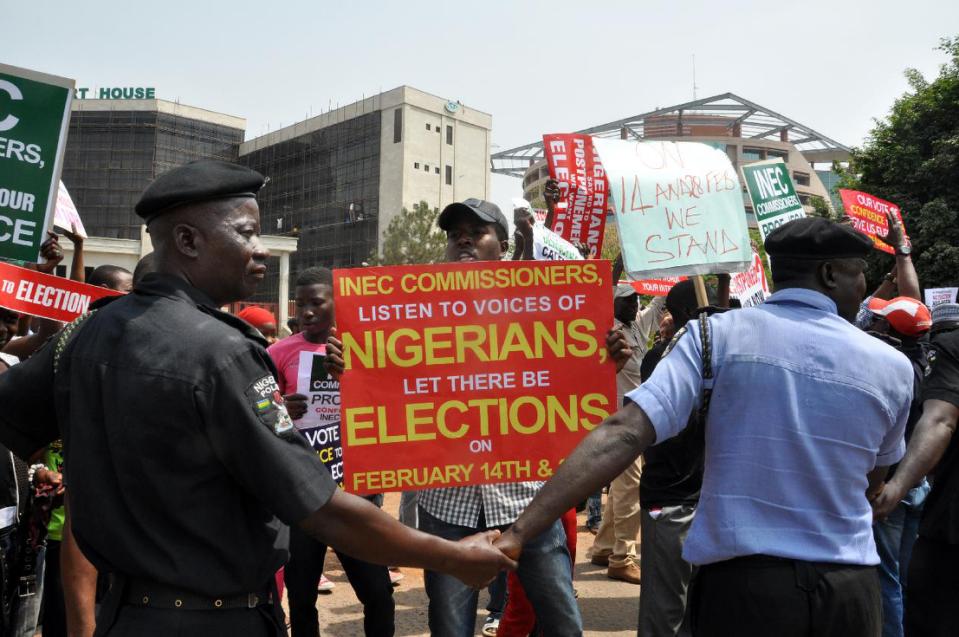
<point>826,275</point>
<point>188,240</point>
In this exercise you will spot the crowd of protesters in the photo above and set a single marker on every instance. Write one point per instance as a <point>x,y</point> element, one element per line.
<point>787,469</point>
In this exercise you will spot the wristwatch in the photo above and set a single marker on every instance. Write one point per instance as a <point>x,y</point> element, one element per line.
<point>904,250</point>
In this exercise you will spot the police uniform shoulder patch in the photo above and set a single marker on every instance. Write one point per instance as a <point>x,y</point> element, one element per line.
<point>270,408</point>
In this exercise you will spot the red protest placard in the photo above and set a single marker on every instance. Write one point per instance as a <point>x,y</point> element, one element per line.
<point>751,286</point>
<point>475,373</point>
<point>38,294</point>
<point>868,216</point>
<point>584,192</point>
<point>655,287</point>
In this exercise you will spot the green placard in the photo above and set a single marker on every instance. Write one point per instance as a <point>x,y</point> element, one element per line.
<point>772,193</point>
<point>34,115</point>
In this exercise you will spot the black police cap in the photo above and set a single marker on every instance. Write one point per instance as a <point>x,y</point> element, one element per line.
<point>203,180</point>
<point>815,238</point>
<point>485,210</point>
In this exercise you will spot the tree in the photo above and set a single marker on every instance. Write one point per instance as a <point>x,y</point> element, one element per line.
<point>610,249</point>
<point>412,237</point>
<point>912,159</point>
<point>821,208</point>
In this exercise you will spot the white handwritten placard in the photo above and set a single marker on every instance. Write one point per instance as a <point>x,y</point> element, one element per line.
<point>679,206</point>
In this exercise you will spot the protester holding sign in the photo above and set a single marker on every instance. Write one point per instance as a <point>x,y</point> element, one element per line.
<point>577,194</point>
<point>902,280</point>
<point>782,550</point>
<point>313,400</point>
<point>534,241</point>
<point>477,231</point>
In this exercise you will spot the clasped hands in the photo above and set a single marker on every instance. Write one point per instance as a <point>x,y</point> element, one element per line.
<point>480,557</point>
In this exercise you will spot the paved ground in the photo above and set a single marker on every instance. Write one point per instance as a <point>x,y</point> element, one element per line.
<point>609,607</point>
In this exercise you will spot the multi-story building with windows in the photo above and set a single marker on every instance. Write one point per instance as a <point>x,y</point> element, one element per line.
<point>746,131</point>
<point>335,180</point>
<point>338,179</point>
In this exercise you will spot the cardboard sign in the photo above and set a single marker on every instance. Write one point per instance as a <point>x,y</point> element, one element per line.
<point>66,215</point>
<point>773,195</point>
<point>679,208</point>
<point>321,422</point>
<point>751,286</point>
<point>475,373</point>
<point>38,294</point>
<point>34,115</point>
<point>868,215</point>
<point>655,287</point>
<point>580,215</point>
<point>938,296</point>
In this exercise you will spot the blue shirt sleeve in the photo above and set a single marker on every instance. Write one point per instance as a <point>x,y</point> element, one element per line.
<point>893,446</point>
<point>674,390</point>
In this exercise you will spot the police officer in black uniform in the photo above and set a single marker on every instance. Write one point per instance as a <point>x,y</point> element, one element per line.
<point>183,465</point>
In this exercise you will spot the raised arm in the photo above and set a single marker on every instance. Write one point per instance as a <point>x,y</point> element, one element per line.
<point>551,197</point>
<point>906,278</point>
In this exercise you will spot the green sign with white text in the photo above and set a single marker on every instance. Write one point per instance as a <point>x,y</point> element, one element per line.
<point>34,115</point>
<point>773,195</point>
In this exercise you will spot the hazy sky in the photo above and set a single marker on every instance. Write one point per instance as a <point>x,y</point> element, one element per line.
<point>535,66</point>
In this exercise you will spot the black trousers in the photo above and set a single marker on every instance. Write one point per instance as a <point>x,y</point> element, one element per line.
<point>370,582</point>
<point>932,602</point>
<point>54,612</point>
<point>759,595</point>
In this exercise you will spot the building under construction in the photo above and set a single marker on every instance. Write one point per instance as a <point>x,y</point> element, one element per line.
<point>115,148</point>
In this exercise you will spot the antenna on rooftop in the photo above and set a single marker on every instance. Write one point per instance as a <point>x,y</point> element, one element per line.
<point>694,77</point>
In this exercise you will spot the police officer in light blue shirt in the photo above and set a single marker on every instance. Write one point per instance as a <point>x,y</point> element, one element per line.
<point>806,414</point>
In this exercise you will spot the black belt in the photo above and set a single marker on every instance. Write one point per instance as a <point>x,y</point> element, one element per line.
<point>151,594</point>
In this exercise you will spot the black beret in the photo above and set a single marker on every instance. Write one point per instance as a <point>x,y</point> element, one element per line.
<point>203,180</point>
<point>815,238</point>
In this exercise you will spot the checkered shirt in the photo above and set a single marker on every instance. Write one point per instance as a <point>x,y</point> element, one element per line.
<point>501,503</point>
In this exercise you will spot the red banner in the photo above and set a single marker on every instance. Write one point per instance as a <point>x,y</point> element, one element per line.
<point>477,373</point>
<point>584,192</point>
<point>655,287</point>
<point>44,295</point>
<point>868,216</point>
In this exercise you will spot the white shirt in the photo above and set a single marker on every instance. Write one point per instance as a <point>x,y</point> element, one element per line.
<point>549,246</point>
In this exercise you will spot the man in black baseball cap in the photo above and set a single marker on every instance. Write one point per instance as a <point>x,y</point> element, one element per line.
<point>476,230</point>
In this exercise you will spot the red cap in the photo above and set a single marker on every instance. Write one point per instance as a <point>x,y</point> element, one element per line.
<point>257,316</point>
<point>905,315</point>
